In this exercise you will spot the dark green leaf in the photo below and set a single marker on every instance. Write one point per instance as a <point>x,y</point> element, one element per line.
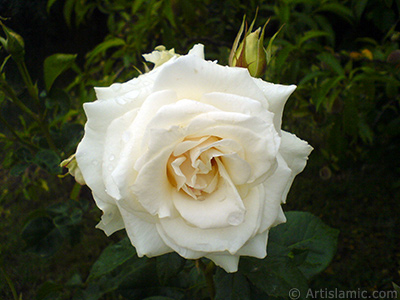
<point>18,169</point>
<point>59,101</point>
<point>71,134</point>
<point>359,7</point>
<point>41,236</point>
<point>50,4</point>
<point>274,275</point>
<point>54,65</point>
<point>319,95</point>
<point>168,265</point>
<point>311,76</point>
<point>49,291</point>
<point>330,60</point>
<point>104,46</point>
<point>307,240</point>
<point>311,35</point>
<point>231,286</point>
<point>48,160</point>
<point>337,9</point>
<point>112,257</point>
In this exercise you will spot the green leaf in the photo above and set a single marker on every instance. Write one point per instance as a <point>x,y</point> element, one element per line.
<point>274,275</point>
<point>104,46</point>
<point>270,43</point>
<point>59,102</point>
<point>71,134</point>
<point>330,60</point>
<point>359,7</point>
<point>68,8</point>
<point>42,237</point>
<point>307,240</point>
<point>168,265</point>
<point>311,35</point>
<point>112,257</point>
<point>231,286</point>
<point>48,160</point>
<point>49,291</point>
<point>56,64</point>
<point>136,5</point>
<point>18,169</point>
<point>319,95</point>
<point>338,9</point>
<point>311,76</point>
<point>50,4</point>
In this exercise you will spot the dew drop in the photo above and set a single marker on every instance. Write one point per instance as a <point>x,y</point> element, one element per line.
<point>121,100</point>
<point>112,157</point>
<point>110,168</point>
<point>235,218</point>
<point>132,95</point>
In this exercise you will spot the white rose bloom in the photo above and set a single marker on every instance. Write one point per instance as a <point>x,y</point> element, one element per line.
<point>191,158</point>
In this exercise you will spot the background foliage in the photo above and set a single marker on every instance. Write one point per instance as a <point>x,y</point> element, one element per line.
<point>343,55</point>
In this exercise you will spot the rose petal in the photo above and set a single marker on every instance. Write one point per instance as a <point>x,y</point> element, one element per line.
<point>191,77</point>
<point>228,262</point>
<point>277,95</point>
<point>295,152</point>
<point>222,208</point>
<point>235,103</point>
<point>256,246</point>
<point>113,145</point>
<point>197,50</point>
<point>143,235</point>
<point>111,220</point>
<point>275,187</point>
<point>179,235</point>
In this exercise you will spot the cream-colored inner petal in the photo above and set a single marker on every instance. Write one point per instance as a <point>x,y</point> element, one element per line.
<point>192,168</point>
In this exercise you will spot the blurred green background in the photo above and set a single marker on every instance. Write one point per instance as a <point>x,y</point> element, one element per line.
<point>343,55</point>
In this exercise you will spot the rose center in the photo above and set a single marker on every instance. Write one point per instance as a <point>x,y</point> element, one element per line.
<point>192,166</point>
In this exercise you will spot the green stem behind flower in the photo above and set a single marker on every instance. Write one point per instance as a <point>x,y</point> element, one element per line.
<point>10,93</point>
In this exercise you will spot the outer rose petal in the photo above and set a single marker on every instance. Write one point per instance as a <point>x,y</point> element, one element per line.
<point>226,261</point>
<point>277,95</point>
<point>295,152</point>
<point>192,77</point>
<point>143,234</point>
<point>115,102</point>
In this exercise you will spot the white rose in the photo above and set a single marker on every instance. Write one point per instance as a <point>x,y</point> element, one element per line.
<point>191,158</point>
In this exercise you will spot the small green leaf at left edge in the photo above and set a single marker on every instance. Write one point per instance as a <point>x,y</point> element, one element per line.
<point>56,64</point>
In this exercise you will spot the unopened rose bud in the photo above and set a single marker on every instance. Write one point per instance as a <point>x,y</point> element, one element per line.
<point>14,44</point>
<point>251,53</point>
<point>159,56</point>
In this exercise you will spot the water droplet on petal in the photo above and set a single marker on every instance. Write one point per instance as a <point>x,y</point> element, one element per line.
<point>236,218</point>
<point>112,157</point>
<point>121,100</point>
